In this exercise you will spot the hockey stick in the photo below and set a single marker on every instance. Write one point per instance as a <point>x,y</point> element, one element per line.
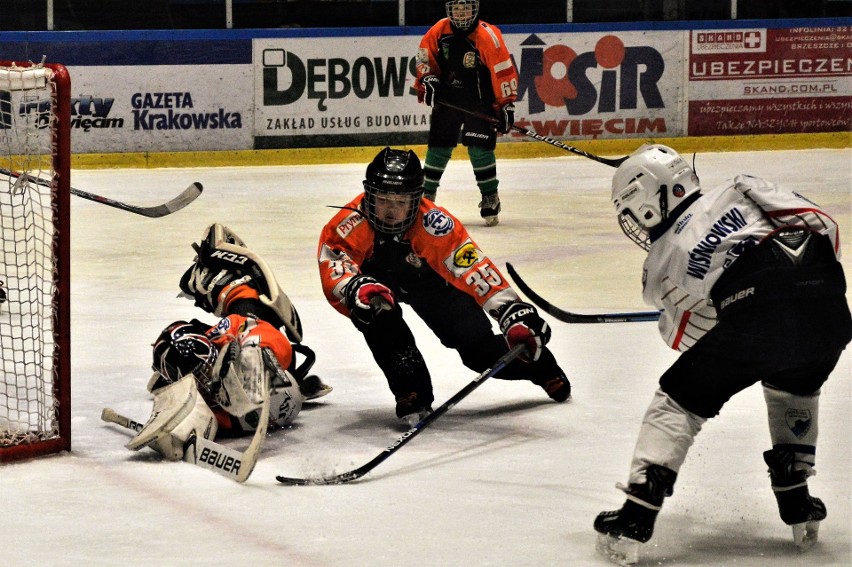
<point>186,197</point>
<point>209,454</point>
<point>411,433</point>
<point>537,136</point>
<point>568,317</point>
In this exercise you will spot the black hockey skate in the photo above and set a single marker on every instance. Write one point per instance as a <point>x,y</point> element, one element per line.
<point>795,504</point>
<point>622,531</point>
<point>558,388</point>
<point>489,208</point>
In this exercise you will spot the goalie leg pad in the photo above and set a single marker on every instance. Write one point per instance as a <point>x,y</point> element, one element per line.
<point>178,412</point>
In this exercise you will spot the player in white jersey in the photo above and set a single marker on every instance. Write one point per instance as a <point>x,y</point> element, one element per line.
<point>751,290</point>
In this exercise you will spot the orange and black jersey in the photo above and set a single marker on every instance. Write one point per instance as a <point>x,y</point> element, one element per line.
<point>248,332</point>
<point>476,66</point>
<point>436,250</point>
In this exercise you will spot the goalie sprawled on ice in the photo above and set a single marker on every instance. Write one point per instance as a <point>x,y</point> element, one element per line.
<point>221,379</point>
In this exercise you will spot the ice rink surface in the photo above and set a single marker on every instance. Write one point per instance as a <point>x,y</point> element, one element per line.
<point>506,478</point>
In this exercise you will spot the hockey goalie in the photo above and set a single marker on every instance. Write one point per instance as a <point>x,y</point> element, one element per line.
<point>213,381</point>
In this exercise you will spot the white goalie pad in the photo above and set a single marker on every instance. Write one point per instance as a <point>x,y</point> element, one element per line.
<point>242,386</point>
<point>227,242</point>
<point>178,411</point>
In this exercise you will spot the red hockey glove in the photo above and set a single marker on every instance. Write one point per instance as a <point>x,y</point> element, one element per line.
<point>367,298</point>
<point>521,324</point>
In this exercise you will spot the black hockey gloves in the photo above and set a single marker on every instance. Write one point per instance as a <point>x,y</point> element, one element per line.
<point>431,84</point>
<point>505,118</point>
<point>521,324</point>
<point>367,298</point>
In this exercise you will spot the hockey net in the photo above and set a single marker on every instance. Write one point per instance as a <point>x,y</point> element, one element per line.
<point>35,186</point>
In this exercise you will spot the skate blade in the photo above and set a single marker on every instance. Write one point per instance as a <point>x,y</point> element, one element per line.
<point>619,550</point>
<point>805,534</point>
<point>322,391</point>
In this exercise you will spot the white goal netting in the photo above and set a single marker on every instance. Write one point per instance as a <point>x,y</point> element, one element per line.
<point>29,404</point>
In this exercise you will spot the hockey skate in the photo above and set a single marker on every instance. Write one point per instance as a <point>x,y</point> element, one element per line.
<point>621,532</point>
<point>489,208</point>
<point>410,410</point>
<point>410,420</point>
<point>558,388</point>
<point>312,387</point>
<point>796,506</point>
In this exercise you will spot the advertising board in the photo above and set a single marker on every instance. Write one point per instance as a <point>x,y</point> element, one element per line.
<point>770,81</point>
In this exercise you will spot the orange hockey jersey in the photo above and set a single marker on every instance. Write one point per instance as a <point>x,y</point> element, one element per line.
<point>436,238</point>
<point>477,65</point>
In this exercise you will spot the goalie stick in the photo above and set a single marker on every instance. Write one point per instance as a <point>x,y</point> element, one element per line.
<point>187,196</point>
<point>411,433</point>
<point>568,317</point>
<point>532,134</point>
<point>208,454</point>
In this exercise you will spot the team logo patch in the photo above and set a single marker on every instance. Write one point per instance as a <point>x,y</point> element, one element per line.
<point>437,223</point>
<point>799,421</point>
<point>469,60</point>
<point>462,258</point>
<point>221,328</point>
<point>466,256</point>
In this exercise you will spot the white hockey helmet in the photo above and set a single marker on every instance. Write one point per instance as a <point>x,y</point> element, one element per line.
<point>652,181</point>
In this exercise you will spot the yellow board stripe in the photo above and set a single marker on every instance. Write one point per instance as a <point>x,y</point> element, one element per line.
<point>531,149</point>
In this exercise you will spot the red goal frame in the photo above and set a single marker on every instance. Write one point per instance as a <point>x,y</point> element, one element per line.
<point>61,195</point>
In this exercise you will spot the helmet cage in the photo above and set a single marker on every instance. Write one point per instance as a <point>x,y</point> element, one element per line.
<point>633,230</point>
<point>462,13</point>
<point>376,194</point>
<point>183,348</point>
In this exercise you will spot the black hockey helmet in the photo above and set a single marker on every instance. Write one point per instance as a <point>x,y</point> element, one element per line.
<point>184,348</point>
<point>394,179</point>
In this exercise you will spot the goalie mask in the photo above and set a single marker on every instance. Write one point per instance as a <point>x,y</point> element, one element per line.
<point>184,348</point>
<point>463,14</point>
<point>393,188</point>
<point>647,186</point>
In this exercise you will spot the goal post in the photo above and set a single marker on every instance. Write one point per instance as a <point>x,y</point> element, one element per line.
<point>35,361</point>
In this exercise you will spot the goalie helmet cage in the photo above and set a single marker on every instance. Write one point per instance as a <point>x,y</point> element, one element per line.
<point>35,139</point>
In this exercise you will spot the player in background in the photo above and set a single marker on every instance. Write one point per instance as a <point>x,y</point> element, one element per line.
<point>388,247</point>
<point>214,378</point>
<point>464,61</point>
<point>750,287</point>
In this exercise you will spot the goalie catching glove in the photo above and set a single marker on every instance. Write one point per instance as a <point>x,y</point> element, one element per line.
<point>520,323</point>
<point>367,298</point>
<point>223,264</point>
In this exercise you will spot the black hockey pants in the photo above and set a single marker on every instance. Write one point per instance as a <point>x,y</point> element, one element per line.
<point>460,324</point>
<point>782,324</point>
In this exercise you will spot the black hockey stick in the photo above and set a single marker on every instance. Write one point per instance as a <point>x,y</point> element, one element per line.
<point>568,317</point>
<point>186,197</point>
<point>411,433</point>
<point>537,136</point>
